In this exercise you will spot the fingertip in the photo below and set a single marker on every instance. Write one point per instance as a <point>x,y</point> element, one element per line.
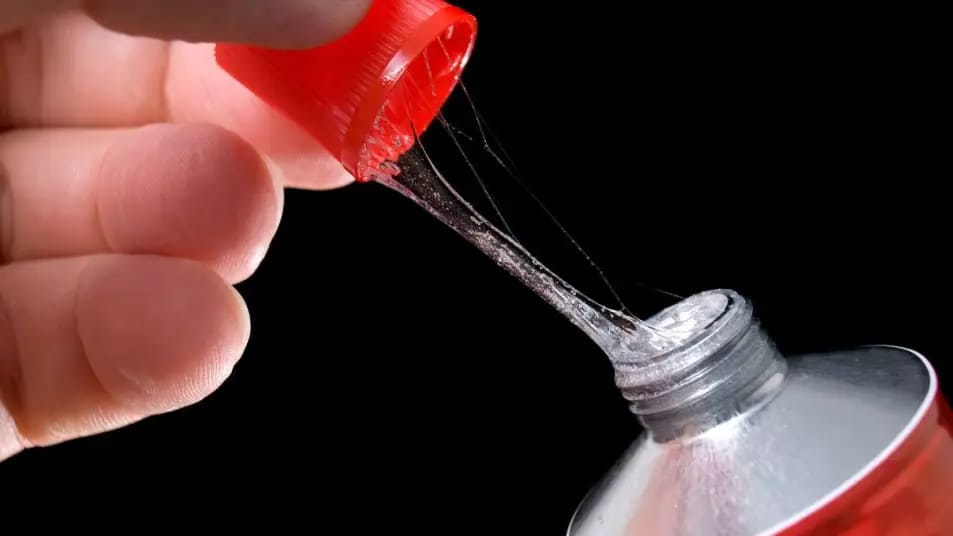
<point>159,333</point>
<point>319,173</point>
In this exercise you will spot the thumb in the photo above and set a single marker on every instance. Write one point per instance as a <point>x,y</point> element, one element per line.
<point>274,23</point>
<point>16,13</point>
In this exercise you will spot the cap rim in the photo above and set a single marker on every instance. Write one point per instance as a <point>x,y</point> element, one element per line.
<point>374,100</point>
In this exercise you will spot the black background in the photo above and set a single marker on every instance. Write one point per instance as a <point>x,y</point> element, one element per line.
<point>397,380</point>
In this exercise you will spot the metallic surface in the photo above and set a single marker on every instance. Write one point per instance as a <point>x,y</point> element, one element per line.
<point>832,416</point>
<point>721,367</point>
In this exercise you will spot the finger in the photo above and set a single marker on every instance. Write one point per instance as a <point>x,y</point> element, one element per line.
<point>16,13</point>
<point>69,71</point>
<point>288,23</point>
<point>198,90</point>
<point>191,191</point>
<point>93,343</point>
<point>72,72</point>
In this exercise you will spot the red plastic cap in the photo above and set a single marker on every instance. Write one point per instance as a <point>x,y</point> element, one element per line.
<point>363,95</point>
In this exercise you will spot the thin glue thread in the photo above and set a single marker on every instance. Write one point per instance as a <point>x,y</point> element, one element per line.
<point>476,174</point>
<point>623,337</point>
<point>509,166</point>
<point>517,177</point>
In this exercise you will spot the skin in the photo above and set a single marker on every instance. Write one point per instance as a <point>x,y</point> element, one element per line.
<point>138,184</point>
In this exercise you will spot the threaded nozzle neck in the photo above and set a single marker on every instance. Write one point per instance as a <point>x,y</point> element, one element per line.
<point>724,365</point>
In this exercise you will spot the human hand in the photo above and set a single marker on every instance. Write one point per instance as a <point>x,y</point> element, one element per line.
<point>137,183</point>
